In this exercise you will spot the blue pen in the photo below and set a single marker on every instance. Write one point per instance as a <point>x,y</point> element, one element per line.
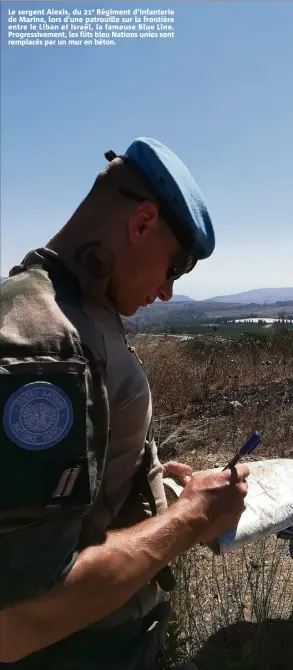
<point>245,450</point>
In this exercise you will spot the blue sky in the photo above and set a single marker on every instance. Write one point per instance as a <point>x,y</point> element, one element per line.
<point>220,95</point>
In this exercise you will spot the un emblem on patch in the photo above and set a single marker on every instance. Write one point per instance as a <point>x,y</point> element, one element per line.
<point>38,416</point>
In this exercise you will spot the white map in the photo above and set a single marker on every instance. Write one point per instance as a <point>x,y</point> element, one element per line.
<point>269,504</point>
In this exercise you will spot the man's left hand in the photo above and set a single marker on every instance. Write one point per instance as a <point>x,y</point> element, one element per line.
<point>179,470</point>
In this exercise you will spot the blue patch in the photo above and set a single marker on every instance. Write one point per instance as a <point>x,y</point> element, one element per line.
<point>38,416</point>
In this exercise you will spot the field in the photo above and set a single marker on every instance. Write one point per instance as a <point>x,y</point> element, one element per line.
<point>206,317</point>
<point>209,394</point>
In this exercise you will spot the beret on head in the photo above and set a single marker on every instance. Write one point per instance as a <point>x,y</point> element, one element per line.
<point>181,202</point>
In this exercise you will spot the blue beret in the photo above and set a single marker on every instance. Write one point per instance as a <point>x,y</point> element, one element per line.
<point>175,189</point>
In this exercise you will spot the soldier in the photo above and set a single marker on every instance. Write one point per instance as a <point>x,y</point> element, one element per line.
<point>86,534</point>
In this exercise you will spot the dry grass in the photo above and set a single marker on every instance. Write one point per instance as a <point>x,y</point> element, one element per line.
<point>181,373</point>
<point>194,383</point>
<point>220,599</point>
<point>235,611</point>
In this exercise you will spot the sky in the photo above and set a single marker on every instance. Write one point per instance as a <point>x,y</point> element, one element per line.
<point>220,95</point>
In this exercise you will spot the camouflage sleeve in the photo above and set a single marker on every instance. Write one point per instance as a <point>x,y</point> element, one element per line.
<point>53,441</point>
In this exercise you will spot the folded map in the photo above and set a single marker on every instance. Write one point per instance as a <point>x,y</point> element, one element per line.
<point>269,504</point>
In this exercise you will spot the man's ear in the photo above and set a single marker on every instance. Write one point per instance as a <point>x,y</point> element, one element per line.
<point>143,222</point>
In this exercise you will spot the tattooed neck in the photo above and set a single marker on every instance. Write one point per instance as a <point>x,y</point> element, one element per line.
<point>91,262</point>
<point>95,259</point>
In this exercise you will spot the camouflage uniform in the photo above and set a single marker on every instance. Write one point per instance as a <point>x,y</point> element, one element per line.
<point>60,493</point>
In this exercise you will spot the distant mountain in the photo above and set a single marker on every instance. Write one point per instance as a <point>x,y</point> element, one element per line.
<point>182,298</point>
<point>258,296</point>
<point>176,298</point>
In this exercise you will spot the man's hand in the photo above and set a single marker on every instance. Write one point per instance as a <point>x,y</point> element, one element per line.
<point>220,496</point>
<point>106,576</point>
<point>179,470</point>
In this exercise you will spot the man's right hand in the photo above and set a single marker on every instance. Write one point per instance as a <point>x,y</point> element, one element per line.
<point>218,498</point>
<point>106,576</point>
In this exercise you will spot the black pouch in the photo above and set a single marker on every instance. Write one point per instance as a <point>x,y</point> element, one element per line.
<point>44,456</point>
<point>45,478</point>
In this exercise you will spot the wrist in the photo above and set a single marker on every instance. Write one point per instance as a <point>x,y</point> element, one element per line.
<point>192,519</point>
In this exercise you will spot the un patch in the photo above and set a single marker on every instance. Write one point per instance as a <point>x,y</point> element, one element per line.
<point>37,416</point>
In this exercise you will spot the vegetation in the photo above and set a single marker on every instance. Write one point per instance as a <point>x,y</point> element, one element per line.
<point>210,393</point>
<point>200,317</point>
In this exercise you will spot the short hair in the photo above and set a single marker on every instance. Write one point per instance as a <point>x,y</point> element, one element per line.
<point>116,177</point>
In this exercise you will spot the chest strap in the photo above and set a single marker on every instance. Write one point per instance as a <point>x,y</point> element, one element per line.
<point>165,578</point>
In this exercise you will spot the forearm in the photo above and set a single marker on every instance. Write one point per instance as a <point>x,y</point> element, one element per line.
<point>101,581</point>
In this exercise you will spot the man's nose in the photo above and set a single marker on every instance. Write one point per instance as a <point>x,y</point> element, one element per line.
<point>166,290</point>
